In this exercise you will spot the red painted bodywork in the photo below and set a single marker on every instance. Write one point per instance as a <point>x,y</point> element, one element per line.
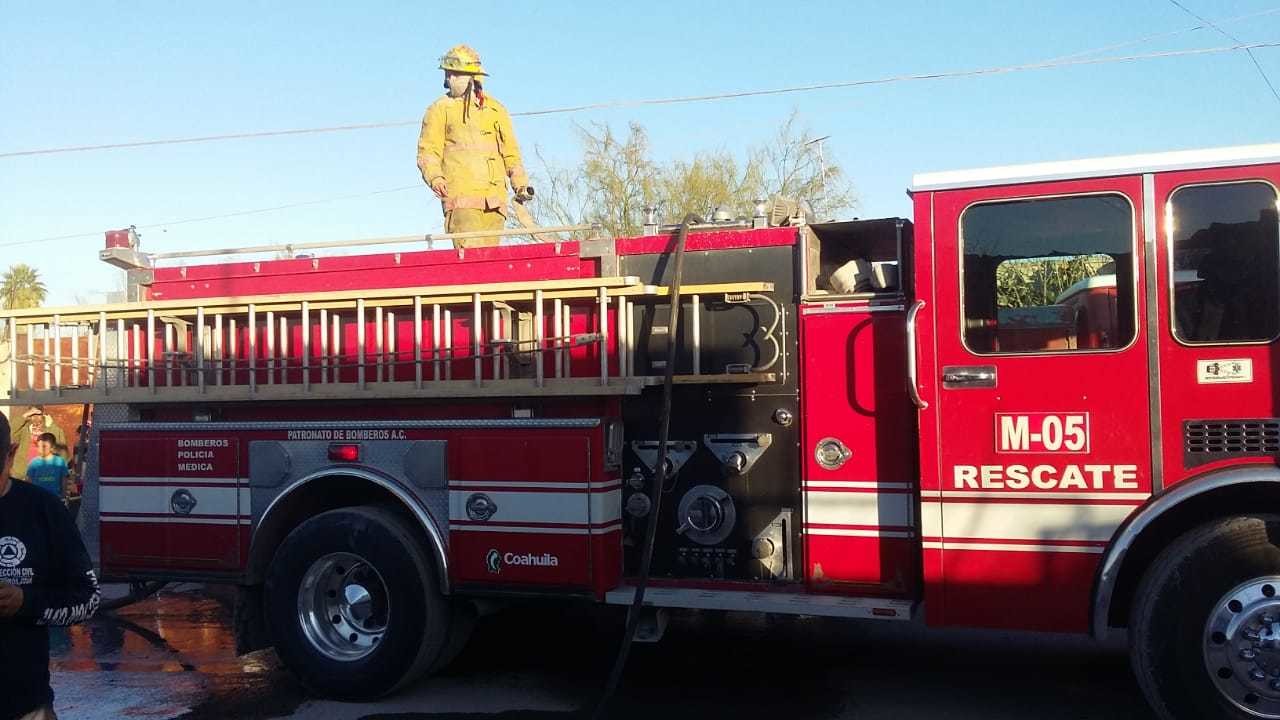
<point>1185,398</point>
<point>1101,384</point>
<point>708,241</point>
<point>511,263</point>
<point>140,540</point>
<point>974,577</point>
<point>139,529</point>
<point>854,389</point>
<point>361,272</point>
<point>897,518</point>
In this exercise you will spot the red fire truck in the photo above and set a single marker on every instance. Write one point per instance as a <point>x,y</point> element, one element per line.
<point>1046,402</point>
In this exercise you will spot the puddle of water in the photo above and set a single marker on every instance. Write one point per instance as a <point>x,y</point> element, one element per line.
<point>182,631</point>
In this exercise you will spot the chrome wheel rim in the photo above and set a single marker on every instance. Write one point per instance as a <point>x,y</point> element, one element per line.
<point>1242,646</point>
<point>343,606</point>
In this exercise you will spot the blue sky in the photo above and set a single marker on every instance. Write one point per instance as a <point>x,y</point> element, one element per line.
<point>105,72</point>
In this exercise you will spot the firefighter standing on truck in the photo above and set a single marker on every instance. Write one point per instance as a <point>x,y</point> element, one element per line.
<point>467,151</point>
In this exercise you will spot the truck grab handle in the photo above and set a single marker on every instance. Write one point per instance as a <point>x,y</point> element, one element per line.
<point>913,379</point>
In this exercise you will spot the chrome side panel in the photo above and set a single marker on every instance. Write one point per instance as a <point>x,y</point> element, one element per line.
<point>1142,519</point>
<point>277,470</point>
<point>1153,330</point>
<point>87,520</point>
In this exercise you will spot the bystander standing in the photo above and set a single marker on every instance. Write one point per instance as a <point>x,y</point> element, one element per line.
<point>46,579</point>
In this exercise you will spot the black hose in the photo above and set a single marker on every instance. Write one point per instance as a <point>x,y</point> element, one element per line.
<point>137,591</point>
<point>659,473</point>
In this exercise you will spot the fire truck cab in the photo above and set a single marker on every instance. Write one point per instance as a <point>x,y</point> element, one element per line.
<point>1045,402</point>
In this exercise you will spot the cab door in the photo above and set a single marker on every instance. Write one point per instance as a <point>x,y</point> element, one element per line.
<point>1037,437</point>
<point>1219,337</point>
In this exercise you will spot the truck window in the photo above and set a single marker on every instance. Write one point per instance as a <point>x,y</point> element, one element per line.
<point>1048,274</point>
<point>1226,258</point>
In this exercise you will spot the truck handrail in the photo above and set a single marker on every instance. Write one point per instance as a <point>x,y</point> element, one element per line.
<point>913,381</point>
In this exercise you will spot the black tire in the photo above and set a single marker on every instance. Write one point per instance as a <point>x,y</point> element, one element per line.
<point>414,618</point>
<point>1188,583</point>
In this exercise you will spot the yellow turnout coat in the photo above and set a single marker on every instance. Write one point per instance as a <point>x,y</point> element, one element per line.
<point>475,152</point>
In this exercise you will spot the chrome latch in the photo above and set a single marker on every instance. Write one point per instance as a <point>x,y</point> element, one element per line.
<point>737,452</point>
<point>481,507</point>
<point>830,453</point>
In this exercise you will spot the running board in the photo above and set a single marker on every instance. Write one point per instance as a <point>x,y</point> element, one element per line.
<point>780,603</point>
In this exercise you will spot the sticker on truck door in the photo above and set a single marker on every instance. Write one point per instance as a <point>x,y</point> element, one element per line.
<point>1218,372</point>
<point>1042,433</point>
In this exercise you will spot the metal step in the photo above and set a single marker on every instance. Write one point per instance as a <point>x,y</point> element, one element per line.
<point>781,603</point>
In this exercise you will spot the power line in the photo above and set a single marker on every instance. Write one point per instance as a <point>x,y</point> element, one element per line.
<point>241,213</point>
<point>946,75</point>
<point>210,138</point>
<point>910,77</point>
<point>1263,73</point>
<point>1204,24</point>
<point>1233,38</point>
<point>1063,61</point>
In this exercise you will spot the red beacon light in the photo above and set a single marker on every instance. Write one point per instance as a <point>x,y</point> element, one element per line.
<point>344,452</point>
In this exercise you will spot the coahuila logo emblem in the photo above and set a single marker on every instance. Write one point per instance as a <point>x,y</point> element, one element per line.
<point>12,551</point>
<point>494,560</point>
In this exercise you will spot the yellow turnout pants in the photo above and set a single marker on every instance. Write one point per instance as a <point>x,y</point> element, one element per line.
<point>469,220</point>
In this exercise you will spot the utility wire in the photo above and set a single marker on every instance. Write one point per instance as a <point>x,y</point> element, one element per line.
<point>1233,38</point>
<point>945,75</point>
<point>241,213</point>
<point>1204,25</point>
<point>905,78</point>
<point>1063,61</point>
<point>210,138</point>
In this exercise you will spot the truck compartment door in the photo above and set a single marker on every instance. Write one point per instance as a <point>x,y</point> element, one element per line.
<point>171,503</point>
<point>858,445</point>
<point>527,510</point>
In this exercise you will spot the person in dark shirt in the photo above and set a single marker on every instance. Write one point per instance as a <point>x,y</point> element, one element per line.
<point>46,579</point>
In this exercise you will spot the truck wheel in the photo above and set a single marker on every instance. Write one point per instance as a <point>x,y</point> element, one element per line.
<point>353,604</point>
<point>1205,631</point>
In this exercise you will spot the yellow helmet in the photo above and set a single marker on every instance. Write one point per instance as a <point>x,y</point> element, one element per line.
<point>462,59</point>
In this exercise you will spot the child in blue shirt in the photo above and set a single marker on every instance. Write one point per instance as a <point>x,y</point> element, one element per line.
<point>49,470</point>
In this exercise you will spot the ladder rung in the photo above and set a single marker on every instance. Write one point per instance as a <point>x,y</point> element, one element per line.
<point>534,335</point>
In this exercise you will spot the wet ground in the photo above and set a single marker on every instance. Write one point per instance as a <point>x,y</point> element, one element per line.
<point>171,656</point>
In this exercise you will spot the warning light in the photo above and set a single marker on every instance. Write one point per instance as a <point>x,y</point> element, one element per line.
<point>344,452</point>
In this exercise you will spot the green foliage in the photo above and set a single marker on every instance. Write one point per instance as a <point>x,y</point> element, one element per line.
<point>619,175</point>
<point>710,180</point>
<point>1028,282</point>
<point>21,287</point>
<point>616,178</point>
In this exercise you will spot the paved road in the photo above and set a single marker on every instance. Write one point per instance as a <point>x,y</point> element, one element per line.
<point>171,657</point>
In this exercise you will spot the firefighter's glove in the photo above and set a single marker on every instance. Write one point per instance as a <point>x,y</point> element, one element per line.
<point>439,188</point>
<point>524,194</point>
